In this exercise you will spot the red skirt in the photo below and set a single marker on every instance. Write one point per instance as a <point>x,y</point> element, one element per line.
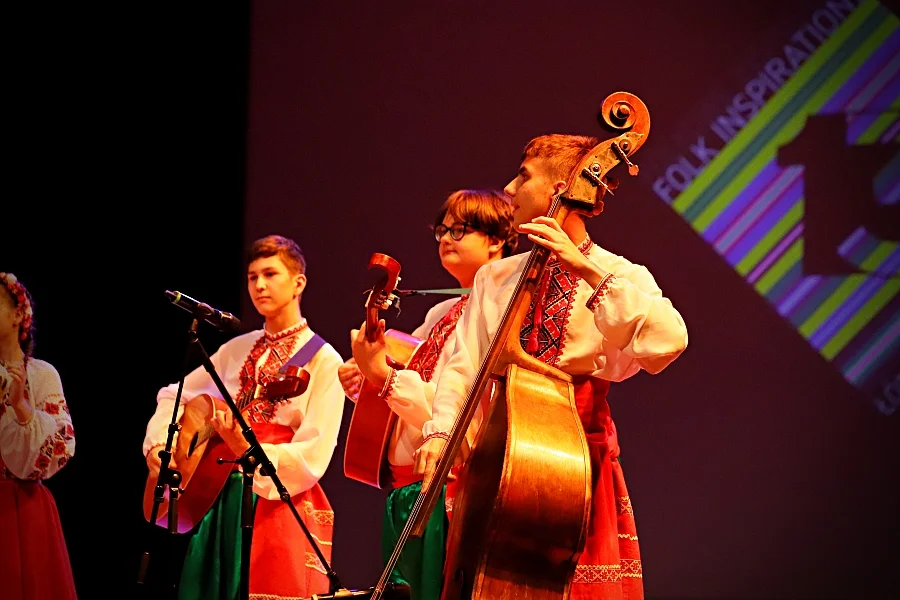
<point>283,563</point>
<point>610,566</point>
<point>35,562</point>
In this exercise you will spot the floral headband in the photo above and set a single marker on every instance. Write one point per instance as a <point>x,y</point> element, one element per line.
<point>5,381</point>
<point>18,291</point>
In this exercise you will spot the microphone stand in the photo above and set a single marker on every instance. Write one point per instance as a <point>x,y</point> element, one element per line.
<point>169,478</point>
<point>252,458</point>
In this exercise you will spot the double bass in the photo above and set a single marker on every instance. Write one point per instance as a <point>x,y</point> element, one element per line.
<point>520,521</point>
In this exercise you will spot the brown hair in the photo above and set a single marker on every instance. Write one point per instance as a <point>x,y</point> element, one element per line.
<point>286,249</point>
<point>487,211</point>
<point>562,152</point>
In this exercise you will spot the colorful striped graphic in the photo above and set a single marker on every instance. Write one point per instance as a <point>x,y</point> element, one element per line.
<point>751,210</point>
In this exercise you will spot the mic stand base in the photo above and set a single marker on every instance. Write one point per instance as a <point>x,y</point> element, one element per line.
<point>393,591</point>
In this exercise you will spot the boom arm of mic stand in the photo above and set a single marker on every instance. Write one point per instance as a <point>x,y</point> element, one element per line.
<point>256,456</point>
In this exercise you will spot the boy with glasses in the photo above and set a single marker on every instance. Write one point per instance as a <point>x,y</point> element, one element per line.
<point>473,228</point>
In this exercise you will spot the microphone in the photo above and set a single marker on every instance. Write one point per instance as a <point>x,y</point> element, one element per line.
<point>221,320</point>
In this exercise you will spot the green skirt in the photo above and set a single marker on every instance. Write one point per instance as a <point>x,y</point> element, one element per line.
<point>212,565</point>
<point>421,562</point>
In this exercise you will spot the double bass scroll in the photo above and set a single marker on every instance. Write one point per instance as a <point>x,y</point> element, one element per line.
<point>589,181</point>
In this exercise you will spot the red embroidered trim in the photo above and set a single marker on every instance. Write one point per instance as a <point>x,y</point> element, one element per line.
<point>55,447</point>
<point>627,568</point>
<point>274,337</point>
<point>600,291</point>
<point>532,346</point>
<point>281,347</point>
<point>426,357</point>
<point>388,385</point>
<point>436,434</point>
<point>248,372</point>
<point>585,246</point>
<point>545,341</point>
<point>549,314</point>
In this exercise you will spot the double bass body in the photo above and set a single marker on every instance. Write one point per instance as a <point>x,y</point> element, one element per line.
<point>524,508</point>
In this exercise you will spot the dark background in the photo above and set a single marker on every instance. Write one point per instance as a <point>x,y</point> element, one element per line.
<point>150,145</point>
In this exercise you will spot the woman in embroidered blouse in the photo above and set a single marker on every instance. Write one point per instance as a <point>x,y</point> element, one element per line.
<point>602,319</point>
<point>298,436</point>
<point>472,228</point>
<point>36,441</point>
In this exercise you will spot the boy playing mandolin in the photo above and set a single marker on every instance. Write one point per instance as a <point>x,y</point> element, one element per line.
<point>595,316</point>
<point>473,228</point>
<point>298,435</point>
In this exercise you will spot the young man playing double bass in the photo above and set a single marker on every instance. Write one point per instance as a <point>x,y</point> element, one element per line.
<point>599,318</point>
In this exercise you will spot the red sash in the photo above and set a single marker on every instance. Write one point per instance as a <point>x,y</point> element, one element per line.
<point>610,566</point>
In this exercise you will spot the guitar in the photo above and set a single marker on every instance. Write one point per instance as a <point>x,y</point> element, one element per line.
<point>198,448</point>
<point>372,423</point>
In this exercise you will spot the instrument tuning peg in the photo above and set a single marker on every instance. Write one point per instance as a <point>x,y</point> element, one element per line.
<point>633,169</point>
<point>593,173</point>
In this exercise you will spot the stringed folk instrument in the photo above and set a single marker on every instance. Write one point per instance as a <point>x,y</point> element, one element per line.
<point>372,423</point>
<point>199,447</point>
<point>520,519</point>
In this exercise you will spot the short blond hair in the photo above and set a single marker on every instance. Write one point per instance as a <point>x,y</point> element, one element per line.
<point>561,152</point>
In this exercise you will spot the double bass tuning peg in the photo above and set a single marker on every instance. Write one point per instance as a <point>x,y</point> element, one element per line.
<point>593,173</point>
<point>620,150</point>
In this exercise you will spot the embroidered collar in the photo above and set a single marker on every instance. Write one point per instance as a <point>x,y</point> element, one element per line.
<point>286,333</point>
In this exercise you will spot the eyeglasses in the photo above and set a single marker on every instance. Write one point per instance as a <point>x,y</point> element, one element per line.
<point>457,231</point>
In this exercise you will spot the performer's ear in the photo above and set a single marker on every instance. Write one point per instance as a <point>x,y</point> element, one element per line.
<point>300,281</point>
<point>559,186</point>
